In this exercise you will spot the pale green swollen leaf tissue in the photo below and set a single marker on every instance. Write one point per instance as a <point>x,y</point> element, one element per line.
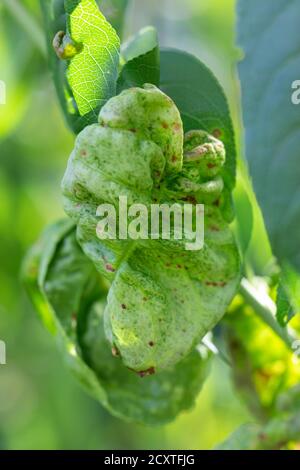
<point>163,299</point>
<point>201,102</point>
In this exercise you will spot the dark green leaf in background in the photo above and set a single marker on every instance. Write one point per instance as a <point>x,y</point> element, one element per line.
<point>269,36</point>
<point>141,43</point>
<point>141,54</point>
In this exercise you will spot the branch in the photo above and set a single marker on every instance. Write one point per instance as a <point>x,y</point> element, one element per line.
<point>266,309</point>
<point>28,23</point>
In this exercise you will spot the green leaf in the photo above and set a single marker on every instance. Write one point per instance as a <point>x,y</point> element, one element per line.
<point>268,33</point>
<point>141,54</point>
<point>84,60</point>
<point>154,399</point>
<point>145,41</point>
<point>200,100</point>
<point>288,294</point>
<point>69,296</point>
<point>284,312</point>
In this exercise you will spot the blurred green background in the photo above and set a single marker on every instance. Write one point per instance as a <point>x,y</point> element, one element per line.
<point>41,405</point>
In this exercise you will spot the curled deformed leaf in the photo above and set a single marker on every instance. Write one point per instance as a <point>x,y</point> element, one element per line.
<point>163,298</point>
<point>201,102</point>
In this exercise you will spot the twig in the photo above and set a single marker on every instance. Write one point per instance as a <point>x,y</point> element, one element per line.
<point>215,350</point>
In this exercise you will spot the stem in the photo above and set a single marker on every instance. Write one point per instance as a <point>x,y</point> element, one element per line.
<point>266,309</point>
<point>28,23</point>
<point>215,350</point>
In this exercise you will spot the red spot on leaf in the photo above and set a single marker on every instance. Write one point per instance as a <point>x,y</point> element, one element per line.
<point>190,199</point>
<point>115,352</point>
<point>214,228</point>
<point>217,133</point>
<point>144,373</point>
<point>109,268</point>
